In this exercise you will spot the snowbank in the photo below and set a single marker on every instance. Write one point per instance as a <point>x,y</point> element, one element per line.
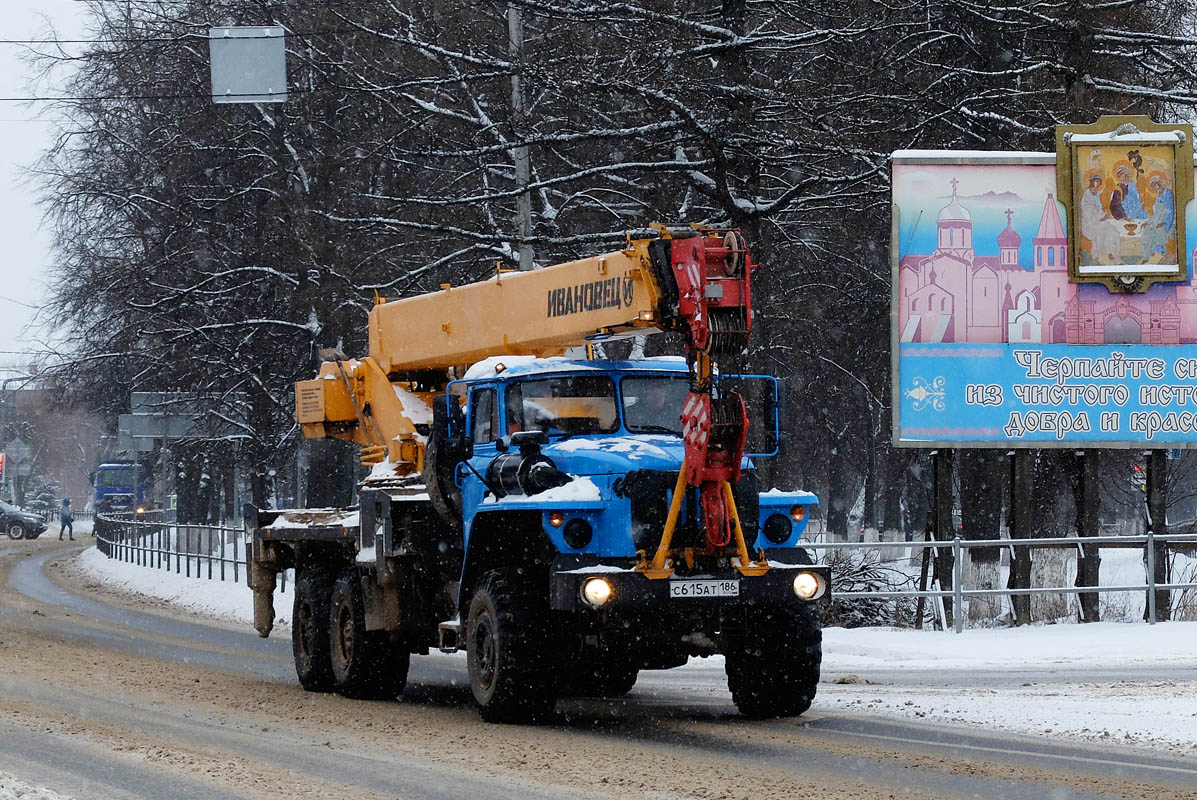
<point>215,598</point>
<point>13,789</point>
<point>1096,645</point>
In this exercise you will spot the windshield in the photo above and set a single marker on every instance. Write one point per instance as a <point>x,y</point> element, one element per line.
<point>569,404</point>
<point>653,404</point>
<point>116,478</point>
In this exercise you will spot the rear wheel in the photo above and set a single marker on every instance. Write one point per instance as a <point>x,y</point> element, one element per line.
<point>365,664</point>
<point>775,672</point>
<point>16,531</point>
<point>309,629</point>
<point>511,667</point>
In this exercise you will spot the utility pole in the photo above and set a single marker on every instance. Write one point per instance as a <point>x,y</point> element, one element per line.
<point>520,153</point>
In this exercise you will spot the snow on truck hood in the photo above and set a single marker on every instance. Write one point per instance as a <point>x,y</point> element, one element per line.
<point>609,454</point>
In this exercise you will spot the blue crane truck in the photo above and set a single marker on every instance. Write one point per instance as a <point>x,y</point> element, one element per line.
<point>567,523</point>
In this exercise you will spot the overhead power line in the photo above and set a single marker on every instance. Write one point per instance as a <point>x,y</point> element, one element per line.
<point>104,97</point>
<point>179,37</point>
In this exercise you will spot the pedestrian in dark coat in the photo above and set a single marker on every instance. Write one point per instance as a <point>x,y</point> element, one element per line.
<point>65,520</point>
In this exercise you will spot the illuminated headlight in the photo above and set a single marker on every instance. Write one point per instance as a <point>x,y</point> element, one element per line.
<point>141,509</point>
<point>809,585</point>
<point>597,591</point>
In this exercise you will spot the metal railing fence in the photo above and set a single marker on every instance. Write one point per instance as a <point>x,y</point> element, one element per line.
<point>958,593</point>
<point>148,540</point>
<point>221,553</point>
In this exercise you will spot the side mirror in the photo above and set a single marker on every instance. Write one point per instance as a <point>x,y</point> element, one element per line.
<point>760,395</point>
<point>461,443</point>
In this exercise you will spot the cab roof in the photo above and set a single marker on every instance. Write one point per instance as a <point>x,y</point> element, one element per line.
<point>504,367</point>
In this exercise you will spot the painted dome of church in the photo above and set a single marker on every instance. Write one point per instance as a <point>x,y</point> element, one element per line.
<point>954,211</point>
<point>1009,237</point>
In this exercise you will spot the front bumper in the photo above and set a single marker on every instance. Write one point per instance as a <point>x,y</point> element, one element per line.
<point>635,592</point>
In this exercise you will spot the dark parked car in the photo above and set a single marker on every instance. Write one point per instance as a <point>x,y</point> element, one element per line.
<point>20,524</point>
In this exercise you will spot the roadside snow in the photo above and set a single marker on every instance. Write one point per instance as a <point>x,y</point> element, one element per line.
<point>215,598</point>
<point>1046,683</point>
<point>13,789</point>
<point>1097,645</point>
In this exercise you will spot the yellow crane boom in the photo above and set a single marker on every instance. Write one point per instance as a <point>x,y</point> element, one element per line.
<point>693,279</point>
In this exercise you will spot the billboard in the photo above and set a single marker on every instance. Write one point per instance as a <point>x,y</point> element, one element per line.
<point>995,346</point>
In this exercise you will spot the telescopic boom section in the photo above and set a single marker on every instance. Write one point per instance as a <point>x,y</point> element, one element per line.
<point>695,280</point>
<point>689,280</point>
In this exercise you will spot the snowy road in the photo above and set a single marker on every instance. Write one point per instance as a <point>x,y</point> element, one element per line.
<point>101,700</point>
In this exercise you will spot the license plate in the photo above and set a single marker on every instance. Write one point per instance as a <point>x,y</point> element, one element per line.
<point>704,588</point>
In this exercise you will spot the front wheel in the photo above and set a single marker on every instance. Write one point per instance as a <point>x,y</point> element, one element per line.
<point>775,670</point>
<point>508,650</point>
<point>365,664</point>
<point>15,531</point>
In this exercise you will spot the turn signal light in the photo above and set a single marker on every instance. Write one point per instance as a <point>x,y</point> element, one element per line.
<point>798,513</point>
<point>556,519</point>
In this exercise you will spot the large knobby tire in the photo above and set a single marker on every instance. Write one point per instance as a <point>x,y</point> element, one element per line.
<point>775,673</point>
<point>508,646</point>
<point>309,629</point>
<point>365,664</point>
<point>15,531</point>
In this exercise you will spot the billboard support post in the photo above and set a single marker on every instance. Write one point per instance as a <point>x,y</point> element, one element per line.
<point>1020,563</point>
<point>1089,565</point>
<point>941,470</point>
<point>1158,600</point>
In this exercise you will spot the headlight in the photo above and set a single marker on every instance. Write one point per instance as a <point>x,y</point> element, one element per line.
<point>597,591</point>
<point>141,509</point>
<point>809,585</point>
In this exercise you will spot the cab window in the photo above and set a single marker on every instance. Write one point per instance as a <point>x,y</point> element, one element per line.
<point>568,404</point>
<point>484,416</point>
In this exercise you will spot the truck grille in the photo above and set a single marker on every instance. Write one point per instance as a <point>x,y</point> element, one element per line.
<point>648,491</point>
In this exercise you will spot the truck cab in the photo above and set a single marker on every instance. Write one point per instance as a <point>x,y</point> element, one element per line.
<point>568,474</point>
<point>118,486</point>
<point>612,430</point>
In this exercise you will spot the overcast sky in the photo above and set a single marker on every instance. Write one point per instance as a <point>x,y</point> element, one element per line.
<point>23,136</point>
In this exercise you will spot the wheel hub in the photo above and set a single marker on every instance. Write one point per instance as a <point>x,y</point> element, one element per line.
<point>307,630</point>
<point>344,648</point>
<point>484,648</point>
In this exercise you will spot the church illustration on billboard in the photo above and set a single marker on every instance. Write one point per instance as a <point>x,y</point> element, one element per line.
<point>955,295</point>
